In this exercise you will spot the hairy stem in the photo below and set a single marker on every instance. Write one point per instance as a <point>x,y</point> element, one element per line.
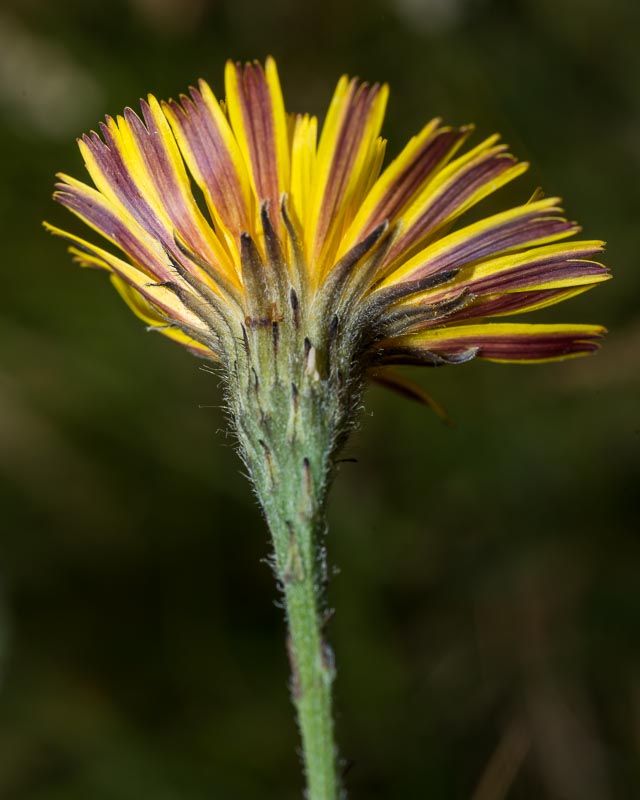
<point>310,656</point>
<point>291,407</point>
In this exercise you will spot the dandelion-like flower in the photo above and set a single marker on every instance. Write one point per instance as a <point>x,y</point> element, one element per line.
<point>316,234</point>
<point>311,268</point>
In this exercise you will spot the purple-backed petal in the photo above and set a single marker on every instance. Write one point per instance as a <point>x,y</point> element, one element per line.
<point>482,308</point>
<point>258,119</point>
<point>523,227</point>
<point>92,207</point>
<point>560,268</point>
<point>510,342</point>
<point>546,271</point>
<point>120,170</point>
<point>166,173</point>
<point>405,178</point>
<point>446,202</point>
<point>348,155</point>
<point>213,157</point>
<point>114,180</point>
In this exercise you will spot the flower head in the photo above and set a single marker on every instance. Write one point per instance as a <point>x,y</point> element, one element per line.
<point>314,234</point>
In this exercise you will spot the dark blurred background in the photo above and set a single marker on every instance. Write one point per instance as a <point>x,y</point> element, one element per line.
<point>488,598</point>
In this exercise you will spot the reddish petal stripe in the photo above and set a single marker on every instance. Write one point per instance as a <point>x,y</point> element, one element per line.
<point>171,185</point>
<point>570,264</point>
<point>259,123</point>
<point>109,160</point>
<point>257,128</point>
<point>351,138</point>
<point>501,305</point>
<point>534,347</point>
<point>504,304</point>
<point>434,153</point>
<point>537,273</point>
<point>444,203</point>
<point>91,207</point>
<point>493,341</point>
<point>119,171</point>
<point>509,284</point>
<point>522,231</point>
<point>212,163</point>
<point>347,144</point>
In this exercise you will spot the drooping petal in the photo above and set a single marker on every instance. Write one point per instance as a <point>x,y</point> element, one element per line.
<point>390,378</point>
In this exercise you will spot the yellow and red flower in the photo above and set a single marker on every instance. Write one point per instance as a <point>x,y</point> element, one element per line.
<point>379,254</point>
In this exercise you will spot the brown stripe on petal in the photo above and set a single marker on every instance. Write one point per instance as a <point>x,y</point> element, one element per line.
<point>444,203</point>
<point>503,237</point>
<point>121,182</point>
<point>127,178</point>
<point>433,154</point>
<point>536,274</point>
<point>170,181</point>
<point>498,305</point>
<point>513,236</point>
<point>259,127</point>
<point>358,106</point>
<point>90,206</point>
<point>533,348</point>
<point>517,347</point>
<point>152,150</point>
<point>212,160</point>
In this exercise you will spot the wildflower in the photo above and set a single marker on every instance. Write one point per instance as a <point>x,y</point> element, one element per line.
<point>310,269</point>
<point>290,220</point>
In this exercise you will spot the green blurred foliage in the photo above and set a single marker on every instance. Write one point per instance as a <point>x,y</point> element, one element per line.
<point>487,630</point>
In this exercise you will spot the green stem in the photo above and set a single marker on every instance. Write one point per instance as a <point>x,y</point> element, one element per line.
<point>310,656</point>
<point>290,413</point>
<point>289,467</point>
